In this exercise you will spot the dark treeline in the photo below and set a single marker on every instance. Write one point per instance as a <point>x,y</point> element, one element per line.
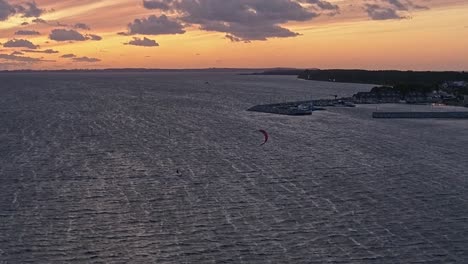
<point>405,89</point>
<point>384,77</point>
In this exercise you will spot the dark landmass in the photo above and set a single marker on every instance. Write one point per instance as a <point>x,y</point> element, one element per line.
<point>449,87</point>
<point>446,93</point>
<point>384,77</point>
<point>449,93</point>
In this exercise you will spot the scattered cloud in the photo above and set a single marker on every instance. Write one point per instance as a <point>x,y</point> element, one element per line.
<point>68,56</point>
<point>50,23</point>
<point>377,12</point>
<point>66,35</point>
<point>29,9</point>
<point>6,10</point>
<point>144,42</point>
<point>17,53</point>
<point>154,25</point>
<point>11,57</point>
<point>323,6</point>
<point>47,51</point>
<point>82,26</point>
<point>390,9</point>
<point>93,37</point>
<point>27,32</point>
<point>38,20</point>
<point>85,59</point>
<point>161,4</point>
<point>20,43</point>
<point>233,39</point>
<point>71,35</point>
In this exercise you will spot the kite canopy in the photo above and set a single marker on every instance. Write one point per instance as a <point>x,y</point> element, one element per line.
<point>265,134</point>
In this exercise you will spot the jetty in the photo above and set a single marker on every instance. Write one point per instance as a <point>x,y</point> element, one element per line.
<point>445,115</point>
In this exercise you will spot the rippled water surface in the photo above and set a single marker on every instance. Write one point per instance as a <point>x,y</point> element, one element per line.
<point>167,168</point>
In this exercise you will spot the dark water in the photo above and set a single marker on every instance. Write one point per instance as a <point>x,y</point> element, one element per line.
<point>167,168</point>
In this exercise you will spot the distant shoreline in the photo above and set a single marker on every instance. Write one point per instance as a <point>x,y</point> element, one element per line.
<point>136,70</point>
<point>244,71</point>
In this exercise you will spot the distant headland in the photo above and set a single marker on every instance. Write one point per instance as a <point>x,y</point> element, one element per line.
<point>397,87</point>
<point>389,77</point>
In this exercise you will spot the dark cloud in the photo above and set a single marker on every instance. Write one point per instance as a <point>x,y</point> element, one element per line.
<point>244,20</point>
<point>82,26</point>
<point>47,51</point>
<point>24,23</point>
<point>377,12</point>
<point>27,32</point>
<point>38,20</point>
<point>405,5</point>
<point>12,57</point>
<point>17,53</point>
<point>66,35</point>
<point>144,42</point>
<point>390,9</point>
<point>232,38</point>
<point>50,23</point>
<point>20,43</point>
<point>247,33</point>
<point>56,24</point>
<point>161,4</point>
<point>321,4</point>
<point>93,37</point>
<point>68,56</point>
<point>398,4</point>
<point>6,10</point>
<point>29,9</point>
<point>154,25</point>
<point>85,59</point>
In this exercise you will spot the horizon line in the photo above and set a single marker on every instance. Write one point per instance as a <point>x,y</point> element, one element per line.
<point>215,68</point>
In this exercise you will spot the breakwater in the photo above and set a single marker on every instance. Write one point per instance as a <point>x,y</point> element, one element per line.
<point>451,115</point>
<point>282,109</point>
<point>300,107</point>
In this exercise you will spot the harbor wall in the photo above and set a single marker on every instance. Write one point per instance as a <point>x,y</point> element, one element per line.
<point>456,115</point>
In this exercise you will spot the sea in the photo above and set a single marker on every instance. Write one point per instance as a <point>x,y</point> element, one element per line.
<point>168,167</point>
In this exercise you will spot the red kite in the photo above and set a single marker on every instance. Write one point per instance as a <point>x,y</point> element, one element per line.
<point>265,134</point>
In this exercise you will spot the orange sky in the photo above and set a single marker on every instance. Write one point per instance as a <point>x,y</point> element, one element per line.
<point>433,38</point>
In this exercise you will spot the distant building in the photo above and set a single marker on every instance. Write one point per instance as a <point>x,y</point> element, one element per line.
<point>459,84</point>
<point>454,85</point>
<point>417,97</point>
<point>378,96</point>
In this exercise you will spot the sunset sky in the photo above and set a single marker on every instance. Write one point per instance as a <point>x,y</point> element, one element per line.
<point>368,34</point>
